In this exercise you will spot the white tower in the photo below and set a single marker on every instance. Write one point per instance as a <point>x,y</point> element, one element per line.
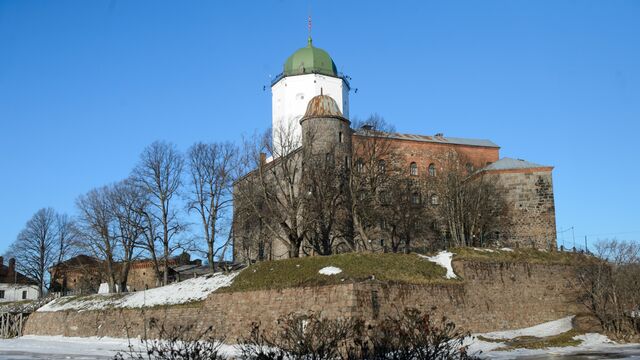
<point>307,72</point>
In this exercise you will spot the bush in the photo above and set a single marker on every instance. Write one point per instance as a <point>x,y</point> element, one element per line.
<point>177,344</point>
<point>408,336</point>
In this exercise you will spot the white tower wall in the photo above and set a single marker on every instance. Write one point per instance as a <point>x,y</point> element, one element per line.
<point>290,96</point>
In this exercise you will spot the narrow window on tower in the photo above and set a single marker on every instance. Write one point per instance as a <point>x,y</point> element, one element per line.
<point>340,137</point>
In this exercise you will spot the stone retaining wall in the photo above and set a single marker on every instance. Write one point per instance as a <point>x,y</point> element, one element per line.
<point>493,296</point>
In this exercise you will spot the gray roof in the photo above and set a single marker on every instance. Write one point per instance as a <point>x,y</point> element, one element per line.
<point>438,139</point>
<point>510,164</point>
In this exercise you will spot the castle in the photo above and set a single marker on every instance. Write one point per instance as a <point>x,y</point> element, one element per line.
<point>319,191</point>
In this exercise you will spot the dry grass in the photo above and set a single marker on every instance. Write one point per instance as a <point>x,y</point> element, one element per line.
<point>531,256</point>
<point>356,267</point>
<point>531,342</point>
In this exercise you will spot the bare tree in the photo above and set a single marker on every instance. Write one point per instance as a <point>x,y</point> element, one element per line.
<point>375,160</point>
<point>159,173</point>
<point>405,216</point>
<point>211,169</point>
<point>36,248</point>
<point>470,206</point>
<point>67,240</point>
<point>273,188</point>
<point>126,201</point>
<point>98,230</point>
<point>610,288</point>
<point>326,204</point>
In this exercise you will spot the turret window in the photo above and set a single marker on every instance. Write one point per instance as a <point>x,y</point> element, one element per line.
<point>413,169</point>
<point>340,137</point>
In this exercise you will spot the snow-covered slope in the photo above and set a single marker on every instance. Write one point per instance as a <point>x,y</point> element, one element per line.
<point>177,293</point>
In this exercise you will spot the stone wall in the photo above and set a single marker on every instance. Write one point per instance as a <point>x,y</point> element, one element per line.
<point>493,296</point>
<point>532,215</point>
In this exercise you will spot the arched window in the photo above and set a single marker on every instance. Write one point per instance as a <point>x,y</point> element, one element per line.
<point>435,200</point>
<point>413,169</point>
<point>382,165</point>
<point>432,169</point>
<point>359,166</point>
<point>415,198</point>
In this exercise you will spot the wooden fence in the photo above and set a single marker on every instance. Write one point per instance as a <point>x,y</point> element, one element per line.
<point>11,324</point>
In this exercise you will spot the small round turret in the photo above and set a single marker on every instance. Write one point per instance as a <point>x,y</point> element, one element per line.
<point>325,131</point>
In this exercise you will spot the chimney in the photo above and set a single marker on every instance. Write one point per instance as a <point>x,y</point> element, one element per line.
<point>12,266</point>
<point>263,159</point>
<point>440,135</point>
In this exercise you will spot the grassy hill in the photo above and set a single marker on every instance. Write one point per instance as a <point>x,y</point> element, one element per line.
<point>392,268</point>
<point>389,268</point>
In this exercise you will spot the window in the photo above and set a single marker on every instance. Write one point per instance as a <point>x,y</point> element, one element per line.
<point>413,169</point>
<point>340,137</point>
<point>435,200</point>
<point>432,169</point>
<point>24,295</point>
<point>329,157</point>
<point>384,197</point>
<point>415,198</point>
<point>469,168</point>
<point>382,166</point>
<point>359,166</point>
<point>347,163</point>
<point>1,294</point>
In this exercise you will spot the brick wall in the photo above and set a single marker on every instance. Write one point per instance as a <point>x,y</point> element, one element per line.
<point>493,296</point>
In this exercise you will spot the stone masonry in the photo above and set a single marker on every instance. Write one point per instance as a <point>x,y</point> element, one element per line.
<point>492,296</point>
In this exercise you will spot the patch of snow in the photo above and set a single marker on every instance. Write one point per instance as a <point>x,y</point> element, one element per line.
<point>593,339</point>
<point>550,328</point>
<point>330,270</point>
<point>483,250</point>
<point>178,293</point>
<point>506,249</point>
<point>443,259</point>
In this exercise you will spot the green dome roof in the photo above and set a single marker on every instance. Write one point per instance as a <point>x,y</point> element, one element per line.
<point>310,60</point>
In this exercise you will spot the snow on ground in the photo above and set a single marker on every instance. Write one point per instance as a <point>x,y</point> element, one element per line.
<point>550,328</point>
<point>57,347</point>
<point>594,345</point>
<point>178,293</point>
<point>60,347</point>
<point>330,270</point>
<point>506,249</point>
<point>443,259</point>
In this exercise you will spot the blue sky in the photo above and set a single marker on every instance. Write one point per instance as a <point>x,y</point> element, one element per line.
<point>86,85</point>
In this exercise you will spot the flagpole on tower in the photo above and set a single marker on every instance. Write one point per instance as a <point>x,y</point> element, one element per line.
<point>309,21</point>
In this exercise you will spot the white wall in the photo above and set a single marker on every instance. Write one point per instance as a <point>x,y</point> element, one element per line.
<point>14,292</point>
<point>291,95</point>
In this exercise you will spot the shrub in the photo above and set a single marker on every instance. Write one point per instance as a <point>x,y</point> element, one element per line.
<point>178,343</point>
